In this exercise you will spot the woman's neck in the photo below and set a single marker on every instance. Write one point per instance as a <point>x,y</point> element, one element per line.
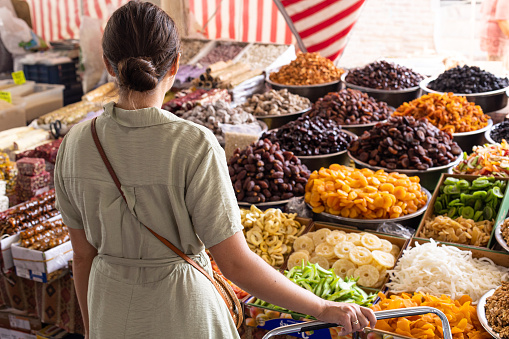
<point>137,100</point>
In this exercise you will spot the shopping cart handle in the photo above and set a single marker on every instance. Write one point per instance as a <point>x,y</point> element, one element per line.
<point>402,312</point>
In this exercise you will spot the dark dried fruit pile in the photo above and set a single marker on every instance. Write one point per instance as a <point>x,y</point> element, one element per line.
<point>405,143</point>
<point>310,136</point>
<point>350,107</point>
<point>467,80</point>
<point>384,75</point>
<point>263,172</point>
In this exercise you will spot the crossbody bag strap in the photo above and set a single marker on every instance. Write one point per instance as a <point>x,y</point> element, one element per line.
<point>163,240</point>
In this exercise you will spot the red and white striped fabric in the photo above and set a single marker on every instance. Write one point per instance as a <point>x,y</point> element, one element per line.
<point>61,19</point>
<point>321,26</point>
<point>243,20</point>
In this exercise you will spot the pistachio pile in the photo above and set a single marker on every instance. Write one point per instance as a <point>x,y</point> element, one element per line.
<point>275,103</point>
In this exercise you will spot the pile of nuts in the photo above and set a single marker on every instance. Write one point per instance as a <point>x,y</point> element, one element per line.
<point>307,69</point>
<point>261,56</point>
<point>214,114</point>
<point>446,111</point>
<point>190,48</point>
<point>504,230</point>
<point>384,75</point>
<point>405,143</point>
<point>262,172</point>
<point>222,52</point>
<point>350,107</point>
<point>497,310</point>
<point>467,80</point>
<point>310,136</point>
<point>275,103</point>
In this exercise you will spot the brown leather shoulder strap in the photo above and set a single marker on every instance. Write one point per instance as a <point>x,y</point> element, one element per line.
<point>163,240</point>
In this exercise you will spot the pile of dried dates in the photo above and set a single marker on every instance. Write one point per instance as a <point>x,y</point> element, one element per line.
<point>384,75</point>
<point>262,172</point>
<point>405,143</point>
<point>310,136</point>
<point>350,107</point>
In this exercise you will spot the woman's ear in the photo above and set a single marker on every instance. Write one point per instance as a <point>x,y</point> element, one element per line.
<point>108,67</point>
<point>175,67</point>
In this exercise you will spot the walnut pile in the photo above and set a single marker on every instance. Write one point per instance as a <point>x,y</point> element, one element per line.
<point>504,229</point>
<point>497,310</point>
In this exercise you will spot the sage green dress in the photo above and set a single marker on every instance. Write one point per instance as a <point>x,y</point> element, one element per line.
<point>175,178</point>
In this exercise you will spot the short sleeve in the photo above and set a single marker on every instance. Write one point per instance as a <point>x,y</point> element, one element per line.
<point>502,10</point>
<point>70,214</point>
<point>211,201</point>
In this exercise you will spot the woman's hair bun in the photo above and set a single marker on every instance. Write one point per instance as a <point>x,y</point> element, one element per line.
<point>138,74</point>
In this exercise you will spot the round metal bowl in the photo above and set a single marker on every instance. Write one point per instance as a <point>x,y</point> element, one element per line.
<point>372,224</point>
<point>487,134</point>
<point>275,121</point>
<point>268,204</point>
<point>489,101</point>
<point>500,239</point>
<point>312,92</point>
<point>467,140</point>
<point>315,162</point>
<point>360,128</point>
<point>429,178</point>
<point>392,97</point>
<point>481,314</point>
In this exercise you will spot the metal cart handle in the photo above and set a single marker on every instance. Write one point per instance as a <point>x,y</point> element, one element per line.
<point>403,312</point>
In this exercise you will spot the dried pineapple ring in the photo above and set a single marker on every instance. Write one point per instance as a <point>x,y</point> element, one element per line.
<point>379,267</point>
<point>360,255</point>
<point>386,246</point>
<point>381,278</point>
<point>304,243</point>
<point>272,227</point>
<point>371,241</point>
<point>335,237</point>
<point>342,266</point>
<point>295,259</point>
<point>351,272</point>
<point>325,250</point>
<point>254,237</point>
<point>341,250</point>
<point>319,260</point>
<point>321,235</point>
<point>383,258</point>
<point>354,238</point>
<point>304,251</point>
<point>395,250</point>
<point>368,275</point>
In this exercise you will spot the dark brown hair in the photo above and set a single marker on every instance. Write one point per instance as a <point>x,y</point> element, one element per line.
<point>141,43</point>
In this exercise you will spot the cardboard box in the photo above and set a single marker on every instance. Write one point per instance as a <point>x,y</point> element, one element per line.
<point>41,262</point>
<point>42,99</point>
<point>12,334</point>
<point>13,117</point>
<point>5,245</point>
<point>19,320</point>
<point>501,214</point>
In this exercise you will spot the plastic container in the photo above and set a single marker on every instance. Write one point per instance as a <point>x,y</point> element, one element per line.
<point>16,90</point>
<point>63,74</point>
<point>43,99</point>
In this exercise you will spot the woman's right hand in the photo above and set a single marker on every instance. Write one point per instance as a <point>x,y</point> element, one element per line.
<point>351,316</point>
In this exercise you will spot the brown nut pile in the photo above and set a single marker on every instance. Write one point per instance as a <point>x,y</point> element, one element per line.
<point>459,230</point>
<point>504,229</point>
<point>275,103</point>
<point>405,143</point>
<point>190,48</point>
<point>448,112</point>
<point>263,172</point>
<point>307,69</point>
<point>310,136</point>
<point>497,310</point>
<point>350,107</point>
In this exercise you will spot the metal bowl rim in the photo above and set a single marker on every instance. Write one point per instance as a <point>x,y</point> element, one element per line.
<point>423,85</point>
<point>369,124</point>
<point>263,204</point>
<point>479,131</point>
<point>481,313</point>
<point>487,134</point>
<point>500,239</point>
<point>406,171</point>
<point>261,117</point>
<point>302,86</point>
<point>374,90</point>
<point>381,221</point>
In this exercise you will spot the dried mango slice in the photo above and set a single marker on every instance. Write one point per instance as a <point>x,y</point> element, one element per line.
<point>371,241</point>
<point>342,249</point>
<point>360,255</point>
<point>342,267</point>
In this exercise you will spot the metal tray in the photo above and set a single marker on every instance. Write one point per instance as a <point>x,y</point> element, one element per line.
<point>275,121</point>
<point>312,92</point>
<point>481,314</point>
<point>467,140</point>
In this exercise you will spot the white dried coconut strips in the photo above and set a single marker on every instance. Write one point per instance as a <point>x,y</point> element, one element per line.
<point>438,270</point>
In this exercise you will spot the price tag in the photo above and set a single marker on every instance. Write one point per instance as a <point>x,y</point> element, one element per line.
<point>19,77</point>
<point>6,96</point>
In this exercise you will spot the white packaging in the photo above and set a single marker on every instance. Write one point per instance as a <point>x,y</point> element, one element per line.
<point>4,203</point>
<point>3,185</point>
